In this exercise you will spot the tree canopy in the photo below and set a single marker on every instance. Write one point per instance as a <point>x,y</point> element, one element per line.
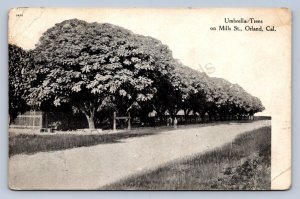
<point>94,67</point>
<point>18,63</point>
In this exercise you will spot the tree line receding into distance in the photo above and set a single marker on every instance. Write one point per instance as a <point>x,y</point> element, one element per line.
<point>97,68</point>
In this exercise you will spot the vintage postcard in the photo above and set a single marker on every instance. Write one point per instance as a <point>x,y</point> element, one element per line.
<point>149,99</point>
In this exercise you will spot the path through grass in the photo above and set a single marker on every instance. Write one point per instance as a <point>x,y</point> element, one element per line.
<point>244,164</point>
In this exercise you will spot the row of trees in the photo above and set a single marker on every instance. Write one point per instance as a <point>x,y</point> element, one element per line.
<point>96,69</point>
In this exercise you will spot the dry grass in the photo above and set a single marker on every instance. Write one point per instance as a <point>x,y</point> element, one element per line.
<point>33,143</point>
<point>245,164</point>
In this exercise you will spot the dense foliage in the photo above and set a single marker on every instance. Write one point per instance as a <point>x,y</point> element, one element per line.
<point>99,68</point>
<point>18,63</point>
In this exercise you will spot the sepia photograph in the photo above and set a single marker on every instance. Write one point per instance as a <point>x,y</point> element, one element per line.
<point>149,99</point>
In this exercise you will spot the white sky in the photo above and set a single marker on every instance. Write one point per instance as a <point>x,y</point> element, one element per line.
<point>258,61</point>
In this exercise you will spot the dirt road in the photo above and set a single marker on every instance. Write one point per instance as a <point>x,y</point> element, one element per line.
<point>96,166</point>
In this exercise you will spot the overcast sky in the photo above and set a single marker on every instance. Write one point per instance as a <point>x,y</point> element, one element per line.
<point>254,60</point>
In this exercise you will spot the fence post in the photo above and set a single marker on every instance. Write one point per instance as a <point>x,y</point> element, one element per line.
<point>114,122</point>
<point>41,120</point>
<point>33,121</point>
<point>129,122</point>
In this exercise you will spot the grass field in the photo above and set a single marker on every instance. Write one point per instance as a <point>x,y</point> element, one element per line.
<point>244,164</point>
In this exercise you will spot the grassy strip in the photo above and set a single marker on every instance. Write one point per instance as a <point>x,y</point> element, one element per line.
<point>243,165</point>
<point>33,143</point>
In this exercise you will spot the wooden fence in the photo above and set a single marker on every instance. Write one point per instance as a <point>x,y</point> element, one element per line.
<point>49,120</point>
<point>30,119</point>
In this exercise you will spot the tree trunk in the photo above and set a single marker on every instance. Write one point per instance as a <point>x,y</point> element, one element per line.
<point>89,110</point>
<point>185,116</point>
<point>161,120</point>
<point>202,117</point>
<point>90,122</point>
<point>209,117</point>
